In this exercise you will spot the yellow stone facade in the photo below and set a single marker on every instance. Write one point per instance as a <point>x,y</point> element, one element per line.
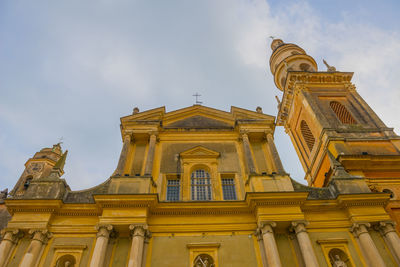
<point>203,187</point>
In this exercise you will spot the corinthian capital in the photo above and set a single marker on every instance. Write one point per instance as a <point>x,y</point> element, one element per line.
<point>299,226</point>
<point>12,235</point>
<point>266,227</point>
<point>138,230</point>
<point>104,230</point>
<point>359,228</point>
<point>386,227</point>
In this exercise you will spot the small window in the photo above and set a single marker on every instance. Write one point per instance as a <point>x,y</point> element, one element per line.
<point>173,189</point>
<point>342,113</point>
<point>307,135</point>
<point>228,188</point>
<point>201,185</point>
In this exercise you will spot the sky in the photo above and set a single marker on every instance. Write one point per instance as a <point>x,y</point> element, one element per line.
<point>71,69</point>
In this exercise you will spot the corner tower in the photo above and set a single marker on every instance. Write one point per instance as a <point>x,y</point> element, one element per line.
<point>39,166</point>
<point>323,113</point>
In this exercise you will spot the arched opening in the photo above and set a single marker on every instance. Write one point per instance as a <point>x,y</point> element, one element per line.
<point>339,258</point>
<point>203,260</point>
<point>28,181</point>
<point>200,185</point>
<point>66,261</point>
<point>388,191</point>
<point>305,67</point>
<point>307,135</point>
<point>342,113</point>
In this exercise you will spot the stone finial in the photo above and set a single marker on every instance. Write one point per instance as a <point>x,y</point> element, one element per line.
<point>135,110</point>
<point>259,109</point>
<point>276,43</point>
<point>328,67</point>
<point>58,168</point>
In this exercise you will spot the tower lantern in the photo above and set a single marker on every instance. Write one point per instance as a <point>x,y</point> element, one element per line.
<point>288,57</point>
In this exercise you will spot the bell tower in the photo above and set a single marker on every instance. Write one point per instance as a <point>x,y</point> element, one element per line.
<point>39,166</point>
<point>323,114</point>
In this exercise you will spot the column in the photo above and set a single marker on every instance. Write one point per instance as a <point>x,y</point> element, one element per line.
<point>360,231</point>
<point>247,152</point>
<point>10,238</point>
<point>145,247</point>
<point>388,230</point>
<point>124,154</point>
<point>258,234</point>
<point>270,248</point>
<point>138,235</point>
<point>306,247</point>
<point>150,154</point>
<point>39,240</point>
<point>274,153</point>
<point>100,248</point>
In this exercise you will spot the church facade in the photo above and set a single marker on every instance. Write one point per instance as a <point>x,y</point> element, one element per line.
<point>202,187</point>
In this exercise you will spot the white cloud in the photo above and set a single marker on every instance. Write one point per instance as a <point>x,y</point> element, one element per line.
<point>72,69</point>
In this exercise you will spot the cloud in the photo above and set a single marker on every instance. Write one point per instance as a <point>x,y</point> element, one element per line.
<point>72,69</point>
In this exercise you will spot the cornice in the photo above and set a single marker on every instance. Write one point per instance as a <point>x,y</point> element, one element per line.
<point>366,199</point>
<point>257,199</point>
<point>126,201</point>
<point>32,205</point>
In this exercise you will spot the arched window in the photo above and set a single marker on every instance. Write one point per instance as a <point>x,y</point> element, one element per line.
<point>28,181</point>
<point>307,135</point>
<point>342,113</point>
<point>201,185</point>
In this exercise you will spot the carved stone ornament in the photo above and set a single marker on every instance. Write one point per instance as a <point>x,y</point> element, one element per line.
<point>203,260</point>
<point>41,235</point>
<point>35,167</point>
<point>337,262</point>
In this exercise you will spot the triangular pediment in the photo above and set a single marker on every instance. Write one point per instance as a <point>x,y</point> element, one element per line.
<point>199,122</point>
<point>198,117</point>
<point>199,152</point>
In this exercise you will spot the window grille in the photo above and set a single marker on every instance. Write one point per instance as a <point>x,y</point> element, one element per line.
<point>201,185</point>
<point>173,189</point>
<point>228,188</point>
<point>307,135</point>
<point>342,113</point>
